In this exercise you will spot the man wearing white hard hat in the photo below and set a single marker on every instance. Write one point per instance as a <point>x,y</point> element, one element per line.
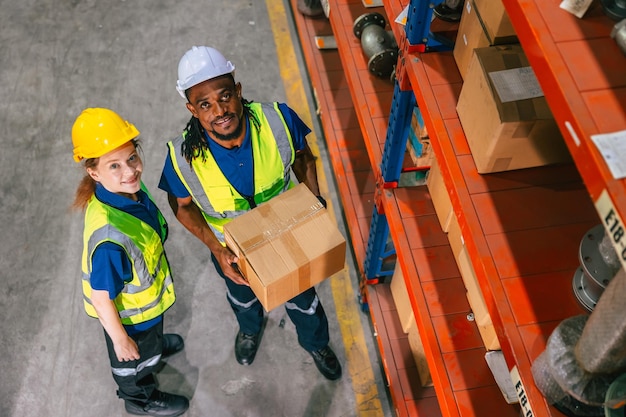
<point>233,155</point>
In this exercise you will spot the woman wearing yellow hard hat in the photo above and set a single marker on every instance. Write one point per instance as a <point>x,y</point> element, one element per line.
<point>126,277</point>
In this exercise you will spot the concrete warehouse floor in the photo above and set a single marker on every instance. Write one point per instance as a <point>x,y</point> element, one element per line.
<point>59,57</point>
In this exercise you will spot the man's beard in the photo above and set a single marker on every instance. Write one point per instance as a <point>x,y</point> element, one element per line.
<point>231,136</point>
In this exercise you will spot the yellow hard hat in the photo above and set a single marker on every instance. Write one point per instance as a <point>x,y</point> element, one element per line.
<point>98,131</point>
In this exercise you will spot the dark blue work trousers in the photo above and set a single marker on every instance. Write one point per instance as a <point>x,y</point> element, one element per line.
<point>305,311</point>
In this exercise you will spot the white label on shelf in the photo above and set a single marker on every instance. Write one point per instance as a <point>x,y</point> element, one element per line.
<point>521,393</point>
<point>576,7</point>
<point>572,132</point>
<point>516,84</point>
<point>613,225</point>
<point>612,146</point>
<point>401,19</point>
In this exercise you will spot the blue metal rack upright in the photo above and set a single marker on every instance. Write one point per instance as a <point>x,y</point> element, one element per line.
<point>418,33</point>
<point>379,253</point>
<point>379,247</point>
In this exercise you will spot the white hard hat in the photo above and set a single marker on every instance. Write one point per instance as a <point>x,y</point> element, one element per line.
<point>199,64</point>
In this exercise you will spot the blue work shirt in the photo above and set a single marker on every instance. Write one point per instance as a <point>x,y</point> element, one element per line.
<point>111,267</point>
<point>236,163</point>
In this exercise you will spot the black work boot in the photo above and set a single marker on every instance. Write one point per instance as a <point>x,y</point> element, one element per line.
<point>160,404</point>
<point>327,363</point>
<point>172,343</point>
<point>246,346</point>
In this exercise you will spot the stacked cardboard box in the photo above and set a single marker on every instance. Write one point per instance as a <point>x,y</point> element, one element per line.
<point>505,117</point>
<point>496,21</point>
<point>483,23</point>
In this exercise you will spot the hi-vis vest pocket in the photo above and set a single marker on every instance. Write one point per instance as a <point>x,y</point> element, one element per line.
<point>221,198</point>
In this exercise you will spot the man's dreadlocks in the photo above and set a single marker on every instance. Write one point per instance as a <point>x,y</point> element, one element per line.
<point>195,144</point>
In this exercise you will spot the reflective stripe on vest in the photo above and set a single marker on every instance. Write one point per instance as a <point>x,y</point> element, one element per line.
<point>150,291</point>
<point>272,152</point>
<point>111,234</point>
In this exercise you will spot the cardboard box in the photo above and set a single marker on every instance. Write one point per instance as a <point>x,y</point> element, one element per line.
<point>439,195</point>
<point>419,356</point>
<point>496,22</point>
<point>471,35</point>
<point>474,293</point>
<point>455,237</point>
<point>511,132</point>
<point>477,302</point>
<point>286,245</point>
<point>400,295</point>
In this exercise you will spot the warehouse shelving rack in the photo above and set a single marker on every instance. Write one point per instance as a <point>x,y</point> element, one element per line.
<point>521,228</point>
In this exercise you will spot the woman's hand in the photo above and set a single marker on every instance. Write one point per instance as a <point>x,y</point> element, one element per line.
<point>126,350</point>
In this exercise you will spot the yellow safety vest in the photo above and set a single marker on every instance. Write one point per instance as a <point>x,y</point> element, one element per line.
<point>273,154</point>
<point>151,291</point>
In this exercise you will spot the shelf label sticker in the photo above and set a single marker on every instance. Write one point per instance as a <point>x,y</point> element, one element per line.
<point>613,225</point>
<point>521,393</point>
<point>612,146</point>
<point>572,132</point>
<point>516,84</point>
<point>576,7</point>
<point>401,19</point>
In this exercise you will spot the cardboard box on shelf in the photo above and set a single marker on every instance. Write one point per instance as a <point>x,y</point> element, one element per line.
<point>455,237</point>
<point>496,22</point>
<point>473,292</point>
<point>477,301</point>
<point>505,117</point>
<point>400,295</point>
<point>286,245</point>
<point>471,35</point>
<point>439,195</point>
<point>419,356</point>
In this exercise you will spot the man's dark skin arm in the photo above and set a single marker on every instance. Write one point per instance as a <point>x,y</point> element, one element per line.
<point>190,216</point>
<point>305,169</point>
